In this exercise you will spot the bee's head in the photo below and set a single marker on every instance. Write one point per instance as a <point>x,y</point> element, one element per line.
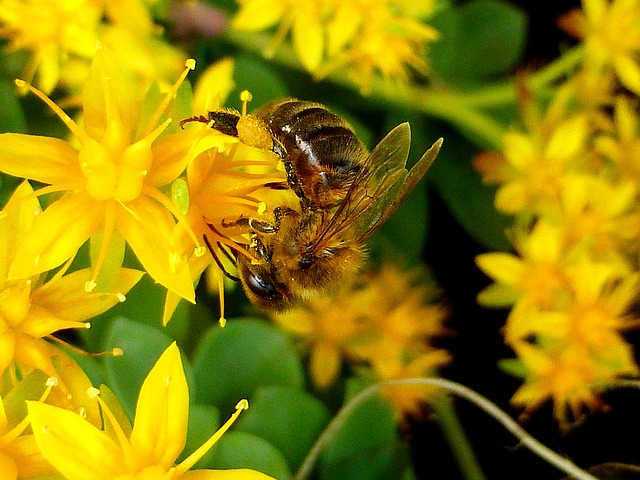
<point>262,287</point>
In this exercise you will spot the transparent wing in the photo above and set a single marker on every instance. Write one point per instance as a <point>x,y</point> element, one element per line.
<point>380,186</point>
<point>383,163</point>
<point>377,214</point>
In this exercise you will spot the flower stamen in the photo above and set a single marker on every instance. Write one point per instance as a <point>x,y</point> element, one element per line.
<point>68,121</point>
<point>190,64</point>
<point>191,460</point>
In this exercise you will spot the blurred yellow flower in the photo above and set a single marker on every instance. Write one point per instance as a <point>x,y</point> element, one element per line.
<point>365,37</point>
<point>54,33</point>
<point>61,39</point>
<point>79,450</point>
<point>611,37</point>
<point>326,326</point>
<point>112,183</point>
<point>382,321</point>
<point>33,308</point>
<point>536,276</point>
<point>537,163</point>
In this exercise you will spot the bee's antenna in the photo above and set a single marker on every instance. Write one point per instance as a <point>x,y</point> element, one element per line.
<point>222,268</point>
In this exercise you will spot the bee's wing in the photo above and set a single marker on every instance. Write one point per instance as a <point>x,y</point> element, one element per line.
<point>379,187</point>
<point>396,190</point>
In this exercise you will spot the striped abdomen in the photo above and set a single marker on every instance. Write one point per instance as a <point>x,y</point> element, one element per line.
<point>323,153</point>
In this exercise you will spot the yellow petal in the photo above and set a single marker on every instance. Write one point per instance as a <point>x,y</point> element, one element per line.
<point>8,467</point>
<point>160,425</point>
<point>308,41</point>
<point>26,454</point>
<point>629,72</point>
<point>109,100</point>
<point>325,363</point>
<point>7,349</point>
<point>45,159</point>
<point>502,267</point>
<point>214,86</point>
<point>147,228</point>
<point>67,299</point>
<point>56,235</point>
<point>567,140</point>
<point>258,15</point>
<point>72,445</point>
<point>171,155</point>
<point>512,197</point>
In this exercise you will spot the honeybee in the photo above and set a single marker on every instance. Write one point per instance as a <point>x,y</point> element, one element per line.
<point>345,194</point>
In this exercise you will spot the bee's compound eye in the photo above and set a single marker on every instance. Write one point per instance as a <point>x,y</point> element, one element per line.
<point>261,286</point>
<point>257,281</point>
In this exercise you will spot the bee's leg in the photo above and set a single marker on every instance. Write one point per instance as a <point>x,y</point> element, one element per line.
<point>260,249</point>
<point>239,222</point>
<point>267,228</point>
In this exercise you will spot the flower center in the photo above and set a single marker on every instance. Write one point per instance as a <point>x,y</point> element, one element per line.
<point>112,175</point>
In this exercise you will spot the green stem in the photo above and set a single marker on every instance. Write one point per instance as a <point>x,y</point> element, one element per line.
<point>526,440</point>
<point>458,442</point>
<point>461,109</point>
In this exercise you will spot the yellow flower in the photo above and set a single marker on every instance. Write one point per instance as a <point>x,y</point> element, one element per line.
<point>19,453</point>
<point>112,183</point>
<point>535,277</point>
<point>382,320</point>
<point>227,180</point>
<point>575,348</point>
<point>567,376</point>
<point>304,19</point>
<point>538,162</point>
<point>55,33</point>
<point>387,43</point>
<point>407,400</point>
<point>601,213</point>
<point>622,148</point>
<point>326,327</point>
<point>33,308</point>
<point>366,37</point>
<point>147,451</point>
<point>61,38</point>
<point>600,26</point>
<point>400,316</point>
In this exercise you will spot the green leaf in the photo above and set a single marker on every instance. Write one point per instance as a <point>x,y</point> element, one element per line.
<point>479,39</point>
<point>231,363</point>
<point>12,117</point>
<point>288,418</point>
<point>254,74</point>
<point>468,199</point>
<point>366,445</point>
<point>204,421</point>
<point>244,450</point>
<point>144,304</point>
<point>142,346</point>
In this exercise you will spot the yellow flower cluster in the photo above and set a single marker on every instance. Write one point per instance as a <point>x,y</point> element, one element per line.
<point>58,40</point>
<point>570,178</point>
<point>365,37</point>
<point>122,181</point>
<point>382,324</point>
